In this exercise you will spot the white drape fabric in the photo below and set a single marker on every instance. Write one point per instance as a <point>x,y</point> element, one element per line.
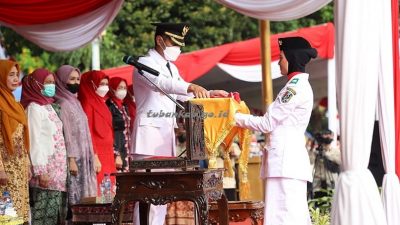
<point>251,73</point>
<point>70,34</point>
<point>275,10</point>
<point>356,199</point>
<point>390,186</point>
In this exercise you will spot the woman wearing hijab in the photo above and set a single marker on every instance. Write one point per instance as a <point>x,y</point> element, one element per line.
<point>82,179</point>
<point>286,168</point>
<point>121,121</point>
<point>92,95</point>
<point>47,148</point>
<point>14,141</point>
<point>130,102</point>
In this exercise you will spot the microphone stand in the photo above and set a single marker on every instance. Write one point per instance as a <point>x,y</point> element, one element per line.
<point>158,88</point>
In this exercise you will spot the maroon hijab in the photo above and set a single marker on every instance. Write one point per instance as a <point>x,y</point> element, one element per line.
<point>32,86</point>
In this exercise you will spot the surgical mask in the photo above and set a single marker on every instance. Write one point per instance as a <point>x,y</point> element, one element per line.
<point>102,90</point>
<point>121,94</point>
<point>171,53</point>
<point>49,90</point>
<point>73,88</point>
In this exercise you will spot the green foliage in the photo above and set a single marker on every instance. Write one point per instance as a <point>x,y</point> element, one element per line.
<point>211,24</point>
<point>319,218</point>
<point>320,208</point>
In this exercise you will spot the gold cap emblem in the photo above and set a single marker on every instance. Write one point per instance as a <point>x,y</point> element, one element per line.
<point>185,30</point>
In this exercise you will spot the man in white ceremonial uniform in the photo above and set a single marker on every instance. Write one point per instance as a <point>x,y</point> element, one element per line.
<point>286,165</point>
<point>153,130</point>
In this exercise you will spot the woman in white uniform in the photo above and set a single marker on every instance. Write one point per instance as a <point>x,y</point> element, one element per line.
<point>286,166</point>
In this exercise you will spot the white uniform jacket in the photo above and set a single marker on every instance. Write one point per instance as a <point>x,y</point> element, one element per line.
<point>153,133</point>
<point>286,121</point>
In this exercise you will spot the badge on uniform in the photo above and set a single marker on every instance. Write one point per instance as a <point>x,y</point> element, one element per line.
<point>294,81</point>
<point>290,92</point>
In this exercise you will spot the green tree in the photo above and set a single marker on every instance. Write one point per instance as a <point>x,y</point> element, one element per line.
<point>131,33</point>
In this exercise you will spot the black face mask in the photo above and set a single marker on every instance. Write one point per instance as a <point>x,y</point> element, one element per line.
<point>73,88</point>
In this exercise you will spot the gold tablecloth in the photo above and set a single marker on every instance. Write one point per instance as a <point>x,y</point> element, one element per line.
<point>220,130</point>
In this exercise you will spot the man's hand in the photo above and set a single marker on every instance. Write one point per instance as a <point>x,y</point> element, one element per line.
<point>198,91</point>
<point>3,178</point>
<point>44,181</point>
<point>73,168</point>
<point>97,164</point>
<point>218,93</point>
<point>118,162</point>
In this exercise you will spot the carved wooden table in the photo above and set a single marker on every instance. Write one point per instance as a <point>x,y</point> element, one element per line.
<point>97,213</point>
<point>158,188</point>
<point>239,211</point>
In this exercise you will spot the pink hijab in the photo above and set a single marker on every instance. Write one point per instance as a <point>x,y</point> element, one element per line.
<point>62,77</point>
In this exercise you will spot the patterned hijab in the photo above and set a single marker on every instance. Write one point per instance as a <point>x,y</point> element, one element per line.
<point>12,112</point>
<point>32,86</point>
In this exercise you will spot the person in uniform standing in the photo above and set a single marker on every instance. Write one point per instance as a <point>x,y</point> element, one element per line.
<point>286,166</point>
<point>153,134</point>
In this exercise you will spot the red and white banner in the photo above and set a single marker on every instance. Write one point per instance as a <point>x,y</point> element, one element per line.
<point>62,25</point>
<point>242,60</point>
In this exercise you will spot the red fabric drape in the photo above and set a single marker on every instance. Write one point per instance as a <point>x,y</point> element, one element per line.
<point>121,71</point>
<point>396,74</point>
<point>195,64</point>
<point>30,12</point>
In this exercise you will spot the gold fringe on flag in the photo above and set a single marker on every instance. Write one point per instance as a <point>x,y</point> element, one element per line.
<point>219,131</point>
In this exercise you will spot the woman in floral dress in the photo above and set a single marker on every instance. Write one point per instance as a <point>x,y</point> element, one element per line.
<point>14,141</point>
<point>47,149</point>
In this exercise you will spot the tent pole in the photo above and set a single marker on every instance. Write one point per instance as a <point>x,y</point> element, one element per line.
<point>96,54</point>
<point>266,83</point>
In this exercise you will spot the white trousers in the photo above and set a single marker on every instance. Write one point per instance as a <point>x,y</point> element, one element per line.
<point>157,214</point>
<point>286,202</point>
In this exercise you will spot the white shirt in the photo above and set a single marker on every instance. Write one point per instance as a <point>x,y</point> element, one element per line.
<point>154,134</point>
<point>286,121</point>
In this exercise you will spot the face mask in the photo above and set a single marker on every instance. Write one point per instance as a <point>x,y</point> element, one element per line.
<point>102,91</point>
<point>73,88</point>
<point>171,53</point>
<point>121,94</point>
<point>49,90</point>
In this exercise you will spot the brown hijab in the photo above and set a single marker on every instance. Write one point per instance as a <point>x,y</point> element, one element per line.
<point>12,112</point>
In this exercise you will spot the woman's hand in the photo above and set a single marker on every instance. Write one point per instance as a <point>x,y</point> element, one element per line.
<point>3,178</point>
<point>118,162</point>
<point>44,181</point>
<point>97,164</point>
<point>73,168</point>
